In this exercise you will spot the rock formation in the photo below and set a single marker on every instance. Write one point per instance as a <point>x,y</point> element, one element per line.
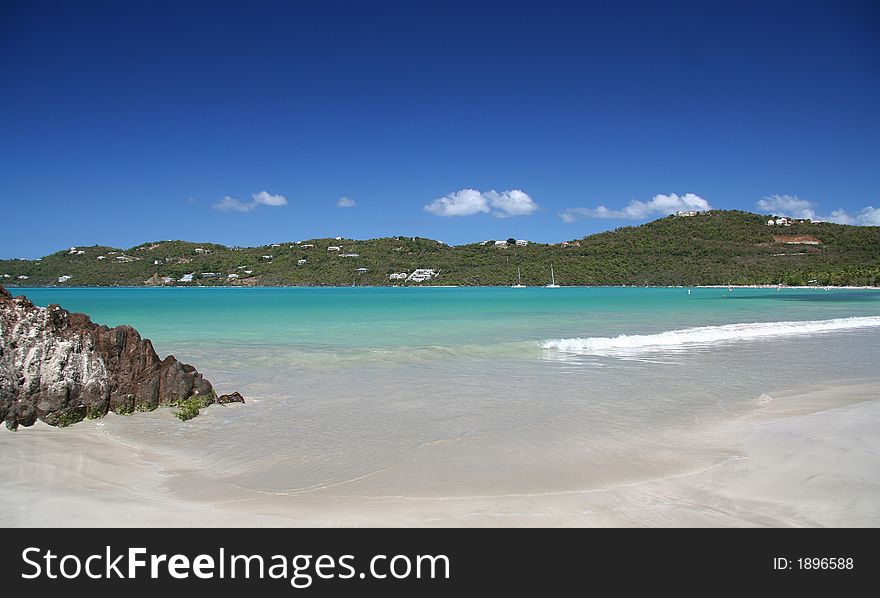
<point>60,367</point>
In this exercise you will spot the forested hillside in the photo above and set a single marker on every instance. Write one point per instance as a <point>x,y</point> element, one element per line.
<point>716,247</point>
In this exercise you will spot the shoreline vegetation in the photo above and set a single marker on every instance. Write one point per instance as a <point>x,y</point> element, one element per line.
<point>715,248</point>
<point>456,286</point>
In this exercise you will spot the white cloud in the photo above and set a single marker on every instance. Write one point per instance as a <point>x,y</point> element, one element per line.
<point>795,207</point>
<point>510,203</point>
<point>231,204</point>
<point>869,216</point>
<point>345,202</point>
<point>267,199</point>
<point>467,202</point>
<point>840,217</point>
<point>788,205</point>
<point>659,205</point>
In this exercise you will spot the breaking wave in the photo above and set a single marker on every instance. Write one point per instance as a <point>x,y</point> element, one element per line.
<point>672,340</point>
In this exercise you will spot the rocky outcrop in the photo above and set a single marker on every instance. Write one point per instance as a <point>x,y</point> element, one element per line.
<point>60,367</point>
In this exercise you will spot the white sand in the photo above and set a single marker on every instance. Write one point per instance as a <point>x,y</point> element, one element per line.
<point>802,459</point>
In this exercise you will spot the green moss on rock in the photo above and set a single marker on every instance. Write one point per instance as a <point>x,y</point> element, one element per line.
<point>96,413</point>
<point>67,418</point>
<point>189,408</point>
<point>123,409</point>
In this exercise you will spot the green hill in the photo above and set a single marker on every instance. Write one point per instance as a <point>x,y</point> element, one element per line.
<point>716,247</point>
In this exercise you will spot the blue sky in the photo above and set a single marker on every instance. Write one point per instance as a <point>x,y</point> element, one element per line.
<point>249,122</point>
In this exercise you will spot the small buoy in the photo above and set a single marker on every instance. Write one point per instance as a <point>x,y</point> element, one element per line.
<point>689,291</point>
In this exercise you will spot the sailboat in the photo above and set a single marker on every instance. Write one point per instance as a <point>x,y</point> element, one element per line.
<point>552,284</point>
<point>519,284</point>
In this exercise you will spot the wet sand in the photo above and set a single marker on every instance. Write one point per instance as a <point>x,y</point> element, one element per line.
<point>807,458</point>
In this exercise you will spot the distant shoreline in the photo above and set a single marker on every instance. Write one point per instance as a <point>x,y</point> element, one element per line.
<point>435,286</point>
<point>777,286</point>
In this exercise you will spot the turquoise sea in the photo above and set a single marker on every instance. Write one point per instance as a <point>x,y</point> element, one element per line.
<point>476,391</point>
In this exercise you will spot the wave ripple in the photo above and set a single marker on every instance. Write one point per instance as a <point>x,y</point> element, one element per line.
<point>703,336</point>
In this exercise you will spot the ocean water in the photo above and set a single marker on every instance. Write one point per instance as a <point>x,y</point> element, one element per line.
<point>458,392</point>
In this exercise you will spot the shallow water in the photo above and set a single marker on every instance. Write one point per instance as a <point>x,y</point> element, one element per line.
<point>470,391</point>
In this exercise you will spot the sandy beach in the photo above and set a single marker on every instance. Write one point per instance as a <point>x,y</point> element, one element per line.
<point>806,458</point>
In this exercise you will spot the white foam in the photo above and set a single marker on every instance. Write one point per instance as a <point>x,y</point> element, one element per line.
<point>703,336</point>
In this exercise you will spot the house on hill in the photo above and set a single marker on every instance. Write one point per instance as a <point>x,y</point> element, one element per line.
<point>421,275</point>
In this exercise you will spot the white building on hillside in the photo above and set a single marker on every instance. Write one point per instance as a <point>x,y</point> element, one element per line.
<point>421,275</point>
